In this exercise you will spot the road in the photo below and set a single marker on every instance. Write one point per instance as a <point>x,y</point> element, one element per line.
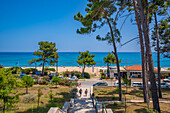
<point>90,82</point>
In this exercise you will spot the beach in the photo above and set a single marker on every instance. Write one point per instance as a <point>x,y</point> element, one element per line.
<point>73,68</point>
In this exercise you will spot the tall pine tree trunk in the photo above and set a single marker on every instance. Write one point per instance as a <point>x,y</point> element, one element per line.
<point>43,68</point>
<point>158,56</point>
<point>144,22</point>
<point>144,75</point>
<point>26,90</point>
<point>57,67</point>
<point>35,65</point>
<point>117,60</point>
<point>83,70</point>
<point>108,70</point>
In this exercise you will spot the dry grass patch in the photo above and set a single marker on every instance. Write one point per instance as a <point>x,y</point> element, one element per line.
<point>136,107</point>
<point>60,93</point>
<point>109,93</point>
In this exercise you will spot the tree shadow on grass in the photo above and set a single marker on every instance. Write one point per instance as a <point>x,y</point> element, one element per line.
<point>107,98</point>
<point>115,107</point>
<point>141,110</point>
<point>137,93</point>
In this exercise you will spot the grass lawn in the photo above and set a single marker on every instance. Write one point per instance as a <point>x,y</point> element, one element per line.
<point>136,107</point>
<point>60,93</point>
<point>109,93</point>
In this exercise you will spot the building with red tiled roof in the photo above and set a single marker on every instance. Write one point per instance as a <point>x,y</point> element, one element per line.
<point>135,70</point>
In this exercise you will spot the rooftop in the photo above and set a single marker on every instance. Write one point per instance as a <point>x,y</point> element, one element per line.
<point>136,68</point>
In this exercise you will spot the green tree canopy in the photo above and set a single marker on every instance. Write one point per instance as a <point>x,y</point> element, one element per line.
<point>110,59</point>
<point>33,61</point>
<point>47,54</point>
<point>164,37</point>
<point>98,14</point>
<point>55,80</point>
<point>85,59</point>
<point>8,84</point>
<point>27,82</point>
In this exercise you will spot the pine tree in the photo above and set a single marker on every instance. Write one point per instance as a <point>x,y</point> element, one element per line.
<point>98,14</point>
<point>47,54</point>
<point>8,84</point>
<point>85,59</point>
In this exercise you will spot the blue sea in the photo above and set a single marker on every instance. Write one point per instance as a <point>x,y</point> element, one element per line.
<point>69,59</point>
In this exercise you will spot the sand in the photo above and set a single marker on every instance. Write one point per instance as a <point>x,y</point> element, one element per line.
<point>73,68</point>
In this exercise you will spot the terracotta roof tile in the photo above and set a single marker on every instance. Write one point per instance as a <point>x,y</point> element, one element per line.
<point>136,68</point>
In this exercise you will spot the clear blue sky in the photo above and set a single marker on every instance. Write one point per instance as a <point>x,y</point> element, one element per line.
<point>23,23</point>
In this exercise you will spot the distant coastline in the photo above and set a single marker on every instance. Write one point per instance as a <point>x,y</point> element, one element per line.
<point>68,59</point>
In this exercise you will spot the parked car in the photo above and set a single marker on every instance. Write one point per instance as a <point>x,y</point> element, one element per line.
<point>164,85</point>
<point>62,77</point>
<point>166,79</point>
<point>117,83</point>
<point>137,84</point>
<point>73,78</point>
<point>100,84</point>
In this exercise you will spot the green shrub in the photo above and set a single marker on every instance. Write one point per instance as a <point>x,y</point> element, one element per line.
<point>87,75</point>
<point>51,95</point>
<point>46,78</point>
<point>30,70</point>
<point>103,75</point>
<point>33,70</point>
<point>29,98</point>
<point>15,70</point>
<point>55,80</point>
<point>52,104</point>
<point>67,73</point>
<point>115,103</point>
<point>45,73</point>
<point>72,73</point>
<point>79,76</point>
<point>114,98</point>
<point>27,82</point>
<point>43,82</point>
<point>73,92</point>
<point>59,100</point>
<point>1,66</point>
<point>49,69</point>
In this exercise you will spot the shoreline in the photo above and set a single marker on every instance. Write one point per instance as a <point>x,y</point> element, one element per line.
<point>72,68</point>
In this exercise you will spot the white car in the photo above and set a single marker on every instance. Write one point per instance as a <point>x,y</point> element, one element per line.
<point>117,83</point>
<point>73,78</point>
<point>137,84</point>
<point>166,79</point>
<point>164,85</point>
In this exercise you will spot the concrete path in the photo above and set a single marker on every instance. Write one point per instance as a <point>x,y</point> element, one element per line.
<point>84,103</point>
<point>133,101</point>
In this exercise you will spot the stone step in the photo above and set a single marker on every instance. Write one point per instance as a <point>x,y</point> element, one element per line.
<point>84,110</point>
<point>84,105</point>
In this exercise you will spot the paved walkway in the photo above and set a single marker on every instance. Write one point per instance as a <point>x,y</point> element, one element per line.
<point>133,101</point>
<point>84,103</point>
